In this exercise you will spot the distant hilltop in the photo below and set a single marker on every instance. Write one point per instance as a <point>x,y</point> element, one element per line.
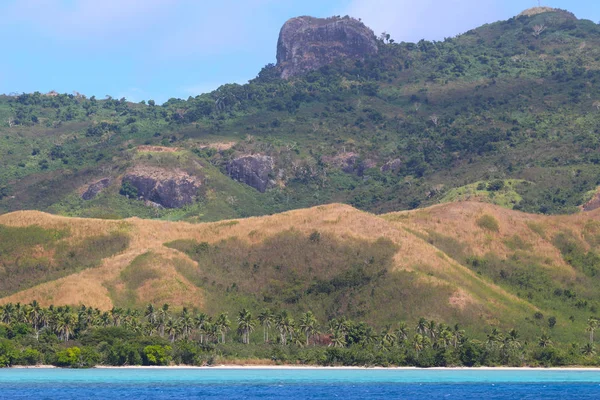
<point>307,43</point>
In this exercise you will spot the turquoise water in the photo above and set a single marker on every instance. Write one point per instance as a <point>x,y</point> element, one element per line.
<point>156,383</point>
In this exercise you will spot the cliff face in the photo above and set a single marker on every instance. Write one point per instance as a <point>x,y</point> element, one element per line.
<point>307,43</point>
<point>168,188</point>
<point>253,170</point>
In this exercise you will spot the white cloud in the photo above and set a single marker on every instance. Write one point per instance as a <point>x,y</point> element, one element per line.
<point>412,20</point>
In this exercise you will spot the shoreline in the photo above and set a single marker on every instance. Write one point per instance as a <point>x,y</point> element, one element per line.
<point>317,367</point>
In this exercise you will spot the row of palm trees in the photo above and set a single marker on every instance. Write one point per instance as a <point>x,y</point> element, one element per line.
<point>339,332</point>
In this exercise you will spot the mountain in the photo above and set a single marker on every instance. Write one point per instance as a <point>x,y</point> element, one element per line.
<point>475,264</point>
<point>506,113</point>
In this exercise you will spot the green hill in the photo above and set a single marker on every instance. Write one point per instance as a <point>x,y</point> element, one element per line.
<point>402,129</point>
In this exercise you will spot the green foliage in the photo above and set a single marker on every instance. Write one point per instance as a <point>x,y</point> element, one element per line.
<point>128,190</point>
<point>488,222</point>
<point>157,355</point>
<point>573,252</point>
<point>70,357</point>
<point>461,117</point>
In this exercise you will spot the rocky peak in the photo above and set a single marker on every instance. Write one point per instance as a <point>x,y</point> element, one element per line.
<point>306,43</point>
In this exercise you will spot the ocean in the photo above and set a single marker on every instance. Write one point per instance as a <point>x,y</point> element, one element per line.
<point>248,383</point>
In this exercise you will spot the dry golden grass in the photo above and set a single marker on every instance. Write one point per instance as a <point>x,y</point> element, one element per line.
<point>530,12</point>
<point>457,220</point>
<point>157,149</point>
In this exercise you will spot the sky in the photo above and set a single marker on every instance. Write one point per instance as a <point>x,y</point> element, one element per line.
<point>158,49</point>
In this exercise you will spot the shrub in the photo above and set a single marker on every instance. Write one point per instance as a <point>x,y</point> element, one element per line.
<point>68,357</point>
<point>489,223</point>
<point>157,355</point>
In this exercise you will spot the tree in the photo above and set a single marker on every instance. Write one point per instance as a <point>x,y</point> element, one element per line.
<point>245,325</point>
<point>544,341</point>
<point>172,329</point>
<point>201,321</point>
<point>308,325</point>
<point>588,350</point>
<point>222,325</point>
<point>163,317</point>
<point>151,315</point>
<point>402,332</point>
<point>592,325</point>
<point>418,343</point>
<point>284,324</point>
<point>186,323</point>
<point>266,319</point>
<point>338,339</point>
<point>421,326</point>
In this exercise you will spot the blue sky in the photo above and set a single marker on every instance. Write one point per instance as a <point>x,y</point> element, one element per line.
<point>157,49</point>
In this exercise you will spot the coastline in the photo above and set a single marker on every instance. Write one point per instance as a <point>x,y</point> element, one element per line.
<point>316,367</point>
<point>313,367</point>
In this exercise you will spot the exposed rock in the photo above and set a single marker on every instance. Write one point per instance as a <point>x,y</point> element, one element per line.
<point>306,43</point>
<point>350,163</point>
<point>95,188</point>
<point>392,165</point>
<point>253,170</point>
<point>168,188</point>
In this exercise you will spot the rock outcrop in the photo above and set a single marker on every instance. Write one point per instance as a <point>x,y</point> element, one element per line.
<point>95,188</point>
<point>253,170</point>
<point>306,43</point>
<point>168,188</point>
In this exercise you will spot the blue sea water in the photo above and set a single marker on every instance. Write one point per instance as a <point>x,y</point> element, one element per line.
<point>156,383</point>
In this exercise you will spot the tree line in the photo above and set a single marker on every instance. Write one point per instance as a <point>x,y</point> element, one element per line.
<point>86,336</point>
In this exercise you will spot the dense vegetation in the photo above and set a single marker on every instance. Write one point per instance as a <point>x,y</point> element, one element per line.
<point>515,101</point>
<point>85,337</point>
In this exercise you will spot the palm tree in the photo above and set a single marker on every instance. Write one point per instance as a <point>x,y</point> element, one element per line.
<point>445,338</point>
<point>200,322</point>
<point>105,319</point>
<point>8,313</point>
<point>150,314</point>
<point>266,319</point>
<point>588,350</point>
<point>34,315</point>
<point>172,329</point>
<point>65,325</point>
<point>421,326</point>
<point>284,324</point>
<point>419,343</point>
<point>187,323</point>
<point>308,325</point>
<point>457,335</point>
<point>592,325</point>
<point>544,340</point>
<point>116,314</point>
<point>163,317</point>
<point>387,337</point>
<point>245,325</point>
<point>402,332</point>
<point>494,337</point>
<point>338,339</point>
<point>223,324</point>
<point>432,330</point>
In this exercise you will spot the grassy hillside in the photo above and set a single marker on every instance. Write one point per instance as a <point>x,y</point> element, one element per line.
<point>406,128</point>
<point>475,264</point>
